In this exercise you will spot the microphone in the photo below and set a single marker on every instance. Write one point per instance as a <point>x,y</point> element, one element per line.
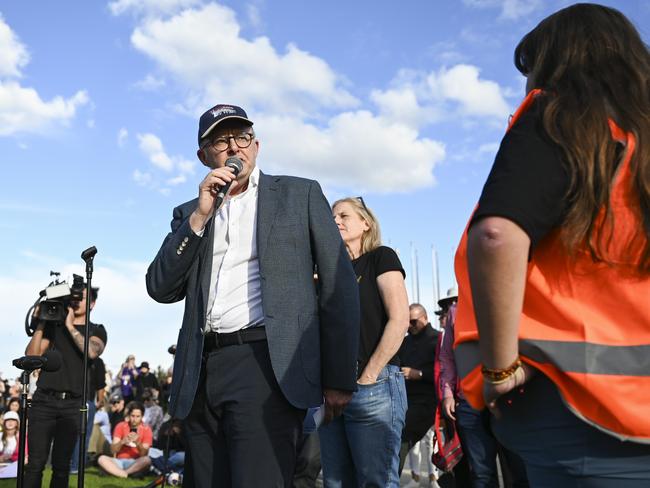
<point>237,166</point>
<point>50,361</point>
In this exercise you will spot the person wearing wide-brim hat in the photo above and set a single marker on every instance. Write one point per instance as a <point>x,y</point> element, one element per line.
<point>445,302</point>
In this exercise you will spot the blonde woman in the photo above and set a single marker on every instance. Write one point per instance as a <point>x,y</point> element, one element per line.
<point>361,447</point>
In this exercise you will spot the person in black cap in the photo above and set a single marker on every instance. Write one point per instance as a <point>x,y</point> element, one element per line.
<point>54,416</point>
<point>146,379</point>
<point>260,341</point>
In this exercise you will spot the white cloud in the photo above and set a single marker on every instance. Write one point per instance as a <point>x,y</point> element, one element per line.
<point>150,83</point>
<point>186,166</point>
<point>282,90</point>
<point>122,136</point>
<point>418,98</point>
<point>401,104</point>
<point>476,97</point>
<point>142,178</point>
<point>150,7</point>
<point>232,69</point>
<point>490,148</point>
<point>22,109</point>
<point>516,9</point>
<point>177,180</point>
<point>253,15</point>
<point>13,53</point>
<point>152,147</point>
<point>510,9</point>
<point>357,150</point>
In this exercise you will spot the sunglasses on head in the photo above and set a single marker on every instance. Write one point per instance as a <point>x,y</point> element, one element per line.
<point>362,203</point>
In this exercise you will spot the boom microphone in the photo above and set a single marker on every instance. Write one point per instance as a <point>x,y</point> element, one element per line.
<point>237,166</point>
<point>50,361</point>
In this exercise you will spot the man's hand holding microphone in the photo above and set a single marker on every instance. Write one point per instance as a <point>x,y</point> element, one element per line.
<point>212,191</point>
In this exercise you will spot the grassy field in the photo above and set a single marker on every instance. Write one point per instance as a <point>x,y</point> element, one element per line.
<point>91,480</point>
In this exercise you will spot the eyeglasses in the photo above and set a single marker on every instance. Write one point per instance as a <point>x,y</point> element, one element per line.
<point>222,143</point>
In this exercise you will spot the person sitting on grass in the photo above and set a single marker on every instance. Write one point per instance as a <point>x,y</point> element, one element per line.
<point>130,446</point>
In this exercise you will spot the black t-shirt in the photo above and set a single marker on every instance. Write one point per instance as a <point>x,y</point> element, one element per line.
<point>96,377</point>
<point>145,381</point>
<point>529,179</point>
<point>115,418</point>
<point>373,314</point>
<point>69,377</point>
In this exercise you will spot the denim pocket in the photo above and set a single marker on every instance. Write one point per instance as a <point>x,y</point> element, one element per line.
<point>378,382</point>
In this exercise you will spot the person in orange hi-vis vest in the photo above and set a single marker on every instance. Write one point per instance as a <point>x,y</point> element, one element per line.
<point>553,319</point>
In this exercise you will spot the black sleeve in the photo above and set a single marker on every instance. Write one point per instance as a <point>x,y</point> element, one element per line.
<point>99,374</point>
<point>528,180</point>
<point>428,370</point>
<point>387,260</point>
<point>98,330</point>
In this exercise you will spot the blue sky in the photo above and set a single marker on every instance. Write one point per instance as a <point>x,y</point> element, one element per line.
<point>401,102</point>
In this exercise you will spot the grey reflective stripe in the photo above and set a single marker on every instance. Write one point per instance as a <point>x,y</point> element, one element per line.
<point>571,357</point>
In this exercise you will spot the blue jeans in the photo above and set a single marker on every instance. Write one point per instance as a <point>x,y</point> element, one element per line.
<point>175,462</point>
<point>361,447</point>
<point>561,450</point>
<point>74,462</point>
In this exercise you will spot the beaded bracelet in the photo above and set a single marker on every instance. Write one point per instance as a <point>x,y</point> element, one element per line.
<point>500,375</point>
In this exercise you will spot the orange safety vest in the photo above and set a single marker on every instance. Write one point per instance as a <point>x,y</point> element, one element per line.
<point>584,324</point>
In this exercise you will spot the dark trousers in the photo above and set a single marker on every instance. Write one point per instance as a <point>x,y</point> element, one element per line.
<point>51,419</point>
<point>419,419</point>
<point>242,431</point>
<point>308,463</point>
<point>74,459</point>
<point>481,448</point>
<point>561,450</point>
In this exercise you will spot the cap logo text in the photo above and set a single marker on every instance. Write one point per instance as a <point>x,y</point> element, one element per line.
<point>222,110</point>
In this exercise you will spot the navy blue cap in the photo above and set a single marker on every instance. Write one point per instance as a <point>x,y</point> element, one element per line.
<point>217,114</point>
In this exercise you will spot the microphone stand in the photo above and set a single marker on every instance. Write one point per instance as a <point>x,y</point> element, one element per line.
<point>25,403</point>
<point>88,256</point>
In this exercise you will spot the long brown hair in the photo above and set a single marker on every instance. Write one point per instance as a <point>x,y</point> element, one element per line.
<point>592,65</point>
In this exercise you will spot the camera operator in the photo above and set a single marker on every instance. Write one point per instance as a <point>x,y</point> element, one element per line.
<point>54,415</point>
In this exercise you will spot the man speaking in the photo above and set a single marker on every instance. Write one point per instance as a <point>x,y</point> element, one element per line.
<point>260,341</point>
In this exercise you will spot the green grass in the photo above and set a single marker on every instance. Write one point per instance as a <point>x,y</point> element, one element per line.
<point>91,480</point>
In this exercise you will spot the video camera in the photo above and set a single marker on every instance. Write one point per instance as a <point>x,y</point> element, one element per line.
<point>53,301</point>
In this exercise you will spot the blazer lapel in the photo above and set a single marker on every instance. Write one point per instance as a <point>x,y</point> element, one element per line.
<point>267,205</point>
<point>205,262</point>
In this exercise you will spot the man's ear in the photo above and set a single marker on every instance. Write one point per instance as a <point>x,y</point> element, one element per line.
<point>200,153</point>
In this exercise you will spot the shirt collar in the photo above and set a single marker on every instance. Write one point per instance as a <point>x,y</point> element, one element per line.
<point>254,178</point>
<point>253,182</point>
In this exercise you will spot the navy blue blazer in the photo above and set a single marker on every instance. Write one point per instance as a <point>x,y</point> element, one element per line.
<point>313,334</point>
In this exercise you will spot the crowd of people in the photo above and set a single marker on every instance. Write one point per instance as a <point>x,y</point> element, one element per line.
<point>296,314</point>
<point>112,417</point>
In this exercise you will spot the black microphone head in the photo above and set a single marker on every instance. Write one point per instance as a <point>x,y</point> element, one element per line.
<point>54,360</point>
<point>235,164</point>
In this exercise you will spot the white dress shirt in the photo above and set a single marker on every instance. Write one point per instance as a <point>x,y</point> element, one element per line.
<point>235,299</point>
